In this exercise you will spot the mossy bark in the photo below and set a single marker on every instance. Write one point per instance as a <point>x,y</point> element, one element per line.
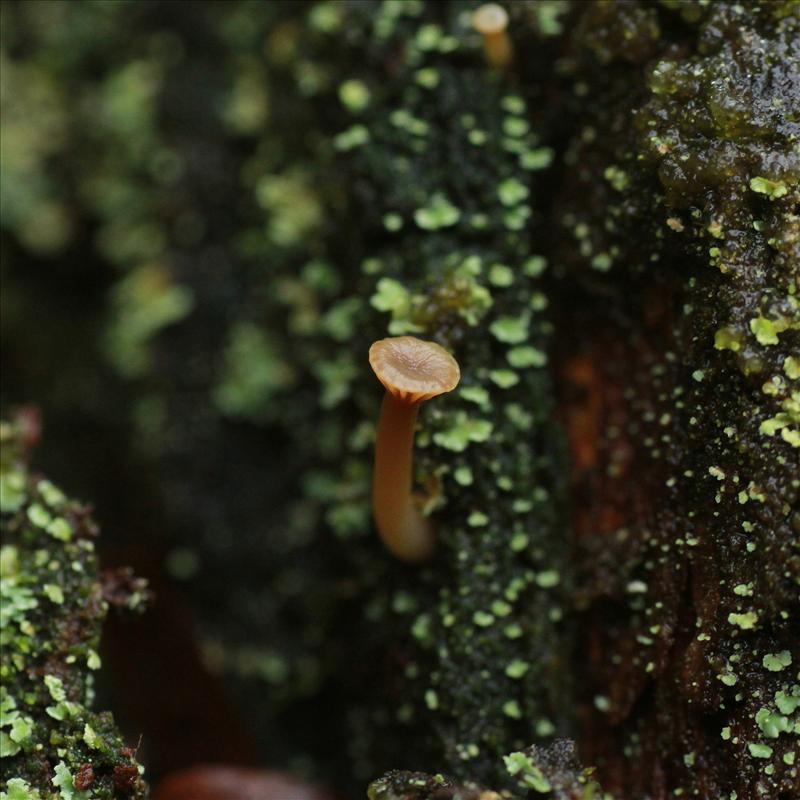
<point>606,237</point>
<point>679,252</point>
<point>52,743</point>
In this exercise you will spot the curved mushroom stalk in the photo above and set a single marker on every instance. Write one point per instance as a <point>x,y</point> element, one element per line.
<point>412,371</point>
<point>405,531</point>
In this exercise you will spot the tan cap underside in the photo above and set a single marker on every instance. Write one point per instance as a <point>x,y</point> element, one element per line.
<point>412,369</point>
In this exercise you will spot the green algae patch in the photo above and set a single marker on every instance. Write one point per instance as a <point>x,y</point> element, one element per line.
<point>746,621</point>
<point>439,213</point>
<point>51,611</point>
<point>145,302</point>
<point>759,750</point>
<point>767,331</point>
<point>772,189</point>
<point>776,662</point>
<point>511,330</point>
<point>463,432</point>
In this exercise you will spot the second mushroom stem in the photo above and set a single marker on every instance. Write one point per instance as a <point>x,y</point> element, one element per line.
<point>405,531</point>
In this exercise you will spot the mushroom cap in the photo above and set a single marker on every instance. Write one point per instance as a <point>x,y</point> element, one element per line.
<point>490,19</point>
<point>413,370</point>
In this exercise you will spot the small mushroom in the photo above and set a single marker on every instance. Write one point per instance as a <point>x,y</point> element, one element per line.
<point>412,371</point>
<point>491,21</point>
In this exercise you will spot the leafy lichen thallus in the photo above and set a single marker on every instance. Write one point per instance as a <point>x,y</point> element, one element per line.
<point>412,371</point>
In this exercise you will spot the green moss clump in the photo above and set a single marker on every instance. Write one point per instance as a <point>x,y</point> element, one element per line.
<point>52,744</point>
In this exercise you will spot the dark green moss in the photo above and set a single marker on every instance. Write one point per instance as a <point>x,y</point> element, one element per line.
<point>52,744</point>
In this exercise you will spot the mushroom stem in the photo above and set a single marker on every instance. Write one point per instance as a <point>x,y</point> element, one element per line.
<point>412,371</point>
<point>402,527</point>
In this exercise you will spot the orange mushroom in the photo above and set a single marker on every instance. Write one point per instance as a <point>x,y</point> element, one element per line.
<point>412,371</point>
<point>491,21</point>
